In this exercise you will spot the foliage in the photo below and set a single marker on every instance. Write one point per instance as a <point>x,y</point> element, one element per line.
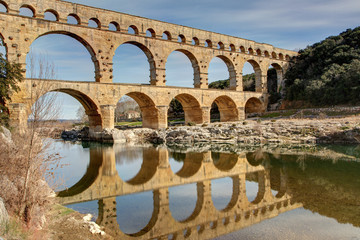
<point>10,76</point>
<point>221,84</point>
<point>328,72</point>
<point>175,107</point>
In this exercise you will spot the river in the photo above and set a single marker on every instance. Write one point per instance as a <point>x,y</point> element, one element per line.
<point>217,191</point>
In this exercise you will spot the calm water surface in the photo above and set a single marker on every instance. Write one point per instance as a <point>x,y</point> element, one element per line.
<point>142,192</point>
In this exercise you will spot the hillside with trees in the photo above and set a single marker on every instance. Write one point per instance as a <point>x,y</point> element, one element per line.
<point>328,72</point>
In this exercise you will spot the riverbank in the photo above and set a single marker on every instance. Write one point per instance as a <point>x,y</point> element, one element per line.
<point>255,131</point>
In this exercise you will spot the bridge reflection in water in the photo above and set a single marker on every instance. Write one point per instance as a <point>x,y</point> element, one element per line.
<point>102,182</point>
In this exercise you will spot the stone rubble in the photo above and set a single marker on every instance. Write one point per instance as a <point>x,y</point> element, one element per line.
<point>283,131</point>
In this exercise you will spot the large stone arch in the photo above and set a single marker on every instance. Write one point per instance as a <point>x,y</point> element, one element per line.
<point>227,108</point>
<point>91,108</point>
<point>148,54</point>
<point>149,111</point>
<point>194,63</point>
<point>191,107</point>
<point>254,105</point>
<point>231,69</point>
<point>191,164</point>
<point>279,74</point>
<point>85,43</point>
<point>258,74</point>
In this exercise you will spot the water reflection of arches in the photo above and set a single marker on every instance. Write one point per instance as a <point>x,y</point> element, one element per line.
<point>160,178</point>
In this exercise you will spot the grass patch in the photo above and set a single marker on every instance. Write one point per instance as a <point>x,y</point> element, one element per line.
<point>128,124</point>
<point>59,210</point>
<point>13,230</point>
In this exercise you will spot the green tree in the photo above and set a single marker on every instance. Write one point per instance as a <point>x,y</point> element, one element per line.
<point>10,76</point>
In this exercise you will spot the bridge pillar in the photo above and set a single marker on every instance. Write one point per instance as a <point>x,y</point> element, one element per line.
<point>241,113</point>
<point>107,214</point>
<point>237,82</point>
<point>109,162</point>
<point>193,115</point>
<point>18,116</point>
<point>159,78</point>
<point>205,111</point>
<point>261,84</point>
<point>201,81</point>
<point>108,115</point>
<point>162,116</point>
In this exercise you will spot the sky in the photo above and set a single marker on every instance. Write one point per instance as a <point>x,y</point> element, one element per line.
<point>290,24</point>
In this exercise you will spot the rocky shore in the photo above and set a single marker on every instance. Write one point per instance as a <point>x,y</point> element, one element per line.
<point>281,131</point>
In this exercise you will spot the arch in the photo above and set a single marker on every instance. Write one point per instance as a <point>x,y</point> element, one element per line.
<point>150,33</point>
<point>208,43</point>
<point>258,52</point>
<point>287,57</point>
<point>187,203</point>
<point>194,63</point>
<point>195,41</point>
<point>85,44</point>
<point>232,48</point>
<point>94,22</point>
<point>227,108</point>
<point>254,105</point>
<point>52,14</point>
<point>151,160</point>
<point>4,7</point>
<point>181,39</point>
<point>220,46</point>
<point>166,35</point>
<point>132,29</point>
<point>114,26</point>
<point>226,186</point>
<point>273,55</point>
<point>200,189</point>
<point>259,178</point>
<point>224,161</point>
<point>275,80</point>
<point>149,112</point>
<point>92,173</point>
<point>266,54</point>
<point>27,11</point>
<point>242,49</point>
<point>257,70</point>
<point>191,107</point>
<point>72,17</point>
<point>148,54</point>
<point>192,164</point>
<point>250,51</point>
<point>231,69</point>
<point>281,56</point>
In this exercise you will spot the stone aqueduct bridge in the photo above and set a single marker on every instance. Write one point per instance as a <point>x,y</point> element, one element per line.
<point>99,97</point>
<point>102,182</point>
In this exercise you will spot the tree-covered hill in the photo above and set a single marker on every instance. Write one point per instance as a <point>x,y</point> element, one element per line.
<point>248,83</point>
<point>328,72</point>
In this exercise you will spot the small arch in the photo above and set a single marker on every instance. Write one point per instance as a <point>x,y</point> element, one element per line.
<point>195,41</point>
<point>224,193</point>
<point>51,15</point>
<point>114,26</point>
<point>220,46</point>
<point>208,43</point>
<point>94,22</point>
<point>133,30</point>
<point>27,11</point>
<point>281,56</point>
<point>232,48</point>
<point>181,39</point>
<point>242,49</point>
<point>150,33</point>
<point>166,35</point>
<point>227,108</point>
<point>4,7</point>
<point>191,164</point>
<point>274,78</point>
<point>73,19</point>
<point>250,51</point>
<point>258,52</point>
<point>266,54</point>
<point>254,105</point>
<point>273,55</point>
<point>287,57</point>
